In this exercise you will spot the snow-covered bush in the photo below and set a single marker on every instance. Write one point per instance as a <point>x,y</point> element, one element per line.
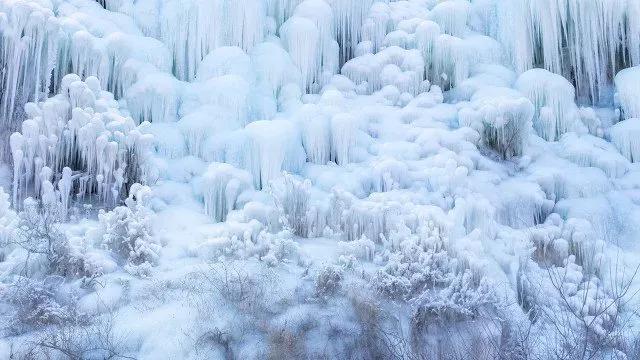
<point>37,303</point>
<point>49,251</point>
<point>299,213</point>
<point>127,232</point>
<point>503,119</point>
<point>424,270</point>
<point>328,280</point>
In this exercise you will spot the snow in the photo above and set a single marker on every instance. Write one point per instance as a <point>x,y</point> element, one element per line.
<point>319,178</point>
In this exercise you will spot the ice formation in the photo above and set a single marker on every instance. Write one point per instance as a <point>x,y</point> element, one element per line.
<point>599,38</point>
<point>554,100</point>
<point>79,141</point>
<point>374,154</point>
<point>627,88</point>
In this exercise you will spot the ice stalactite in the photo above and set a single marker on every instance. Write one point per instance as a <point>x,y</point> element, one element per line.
<point>590,151</point>
<point>502,117</point>
<point>625,135</point>
<point>321,14</point>
<point>554,99</point>
<point>586,41</point>
<point>281,10</point>
<point>221,186</point>
<point>80,141</point>
<point>194,28</point>
<point>390,174</point>
<point>344,135</point>
<point>274,67</point>
<point>154,99</point>
<point>301,39</point>
<point>627,84</point>
<point>276,146</point>
<point>203,125</point>
<point>316,133</point>
<point>376,26</point>
<point>71,41</point>
<point>349,15</point>
<point>28,49</point>
<point>451,16</point>
<point>230,92</point>
<point>356,218</point>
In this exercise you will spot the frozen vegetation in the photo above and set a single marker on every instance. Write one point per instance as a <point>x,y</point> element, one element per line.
<point>320,179</point>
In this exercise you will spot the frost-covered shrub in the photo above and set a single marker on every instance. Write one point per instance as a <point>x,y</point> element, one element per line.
<point>127,232</point>
<point>37,303</point>
<point>328,280</point>
<point>48,249</point>
<point>463,297</point>
<point>424,270</point>
<point>293,199</point>
<point>8,223</point>
<point>582,312</point>
<point>503,118</point>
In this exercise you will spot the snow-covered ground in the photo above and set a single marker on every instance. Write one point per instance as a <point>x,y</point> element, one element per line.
<point>320,179</point>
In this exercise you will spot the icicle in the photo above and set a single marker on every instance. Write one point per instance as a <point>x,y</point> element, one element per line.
<point>502,117</point>
<point>301,39</point>
<point>221,185</point>
<point>584,40</point>
<point>627,89</point>
<point>92,143</point>
<point>191,29</point>
<point>344,129</point>
<point>553,97</point>
<point>625,135</point>
<point>277,147</point>
<point>451,16</point>
<point>349,15</point>
<point>316,133</point>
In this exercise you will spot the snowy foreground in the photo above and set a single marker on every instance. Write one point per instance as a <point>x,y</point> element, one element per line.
<point>320,179</point>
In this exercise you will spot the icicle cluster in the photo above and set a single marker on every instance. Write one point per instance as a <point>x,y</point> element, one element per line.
<point>554,100</point>
<point>221,186</point>
<point>627,89</point>
<point>40,45</point>
<point>584,40</point>
<point>79,144</point>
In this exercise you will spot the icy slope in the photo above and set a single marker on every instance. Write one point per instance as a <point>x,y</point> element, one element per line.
<point>320,179</point>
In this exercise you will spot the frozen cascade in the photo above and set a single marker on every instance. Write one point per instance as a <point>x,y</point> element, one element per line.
<point>80,140</point>
<point>399,135</point>
<point>349,15</point>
